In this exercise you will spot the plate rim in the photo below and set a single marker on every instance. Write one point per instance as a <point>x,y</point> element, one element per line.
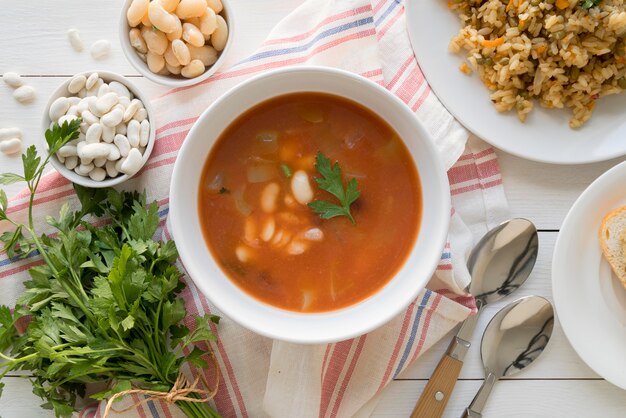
<point>556,294</point>
<point>476,130</point>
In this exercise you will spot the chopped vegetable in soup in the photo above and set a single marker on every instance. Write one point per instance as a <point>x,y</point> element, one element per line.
<point>310,202</point>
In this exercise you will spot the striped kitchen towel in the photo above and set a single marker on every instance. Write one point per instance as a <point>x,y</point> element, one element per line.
<point>261,377</point>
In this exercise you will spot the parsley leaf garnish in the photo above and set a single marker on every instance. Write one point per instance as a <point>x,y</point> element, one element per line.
<point>332,183</point>
<point>588,4</point>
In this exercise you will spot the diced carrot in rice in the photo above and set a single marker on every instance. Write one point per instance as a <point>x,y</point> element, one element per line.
<point>465,69</point>
<point>492,43</point>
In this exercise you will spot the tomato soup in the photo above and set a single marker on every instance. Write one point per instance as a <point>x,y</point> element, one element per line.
<point>258,212</point>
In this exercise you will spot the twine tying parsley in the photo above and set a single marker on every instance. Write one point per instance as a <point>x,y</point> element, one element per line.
<point>180,392</point>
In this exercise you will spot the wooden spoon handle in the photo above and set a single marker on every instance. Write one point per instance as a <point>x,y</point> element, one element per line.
<point>436,394</point>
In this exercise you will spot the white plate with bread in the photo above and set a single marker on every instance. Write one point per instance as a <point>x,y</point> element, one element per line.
<point>589,279</point>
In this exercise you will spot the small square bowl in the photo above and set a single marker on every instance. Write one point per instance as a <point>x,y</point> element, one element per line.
<point>62,91</point>
<point>174,80</point>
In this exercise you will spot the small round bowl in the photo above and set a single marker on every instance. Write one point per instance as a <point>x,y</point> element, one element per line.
<point>270,321</point>
<point>173,80</point>
<point>70,174</point>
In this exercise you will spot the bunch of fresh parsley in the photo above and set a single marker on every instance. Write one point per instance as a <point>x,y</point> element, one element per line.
<point>104,305</point>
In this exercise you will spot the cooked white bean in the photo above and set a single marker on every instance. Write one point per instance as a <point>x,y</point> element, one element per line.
<point>296,247</point>
<point>242,253</point>
<point>120,89</point>
<point>131,109</point>
<point>140,115</point>
<point>77,83</point>
<point>192,35</point>
<point>121,129</point>
<point>12,79</point>
<point>156,41</point>
<point>207,54</point>
<point>11,146</point>
<point>181,52</point>
<point>208,22</point>
<point>108,133</point>
<point>113,118</point>
<point>169,5</point>
<point>71,162</point>
<point>110,169</point>
<point>216,5</point>
<point>160,18</point>
<point>97,174</point>
<point>100,49</point>
<point>136,12</point>
<point>24,94</point>
<point>190,8</point>
<point>106,102</point>
<point>269,196</point>
<point>133,133</point>
<point>94,133</point>
<point>58,108</point>
<point>250,231</point>
<point>177,32</point>
<point>144,133</point>
<point>67,118</point>
<point>92,80</point>
<point>8,133</point>
<point>220,35</point>
<point>132,164</point>
<point>301,188</point>
<point>170,57</point>
<point>314,234</point>
<point>267,232</point>
<point>94,151</point>
<point>136,41</point>
<point>193,69</point>
<point>173,70</point>
<point>155,62</point>
<point>122,144</point>
<point>100,162</point>
<point>67,151</point>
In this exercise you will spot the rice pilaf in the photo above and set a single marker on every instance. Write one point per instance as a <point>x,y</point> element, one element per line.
<point>555,51</point>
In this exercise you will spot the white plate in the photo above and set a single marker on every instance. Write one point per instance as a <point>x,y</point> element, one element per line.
<point>545,136</point>
<point>590,301</point>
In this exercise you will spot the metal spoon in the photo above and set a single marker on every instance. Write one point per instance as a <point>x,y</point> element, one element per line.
<point>499,264</point>
<point>514,338</point>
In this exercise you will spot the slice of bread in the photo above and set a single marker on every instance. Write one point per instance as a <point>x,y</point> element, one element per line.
<point>612,241</point>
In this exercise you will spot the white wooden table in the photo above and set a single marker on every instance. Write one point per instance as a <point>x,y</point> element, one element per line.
<point>33,42</point>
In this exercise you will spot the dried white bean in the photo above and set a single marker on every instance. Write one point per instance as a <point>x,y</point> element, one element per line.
<point>71,162</point>
<point>120,89</point>
<point>67,151</point>
<point>301,188</point>
<point>94,133</point>
<point>122,144</point>
<point>94,151</point>
<point>77,83</point>
<point>220,35</point>
<point>108,133</point>
<point>118,164</point>
<point>121,129</point>
<point>73,110</point>
<point>58,108</point>
<point>8,133</point>
<point>66,118</point>
<point>136,12</point>
<point>100,49</point>
<point>89,117</point>
<point>242,253</point>
<point>216,5</point>
<point>141,115</point>
<point>269,197</point>
<point>113,118</point>
<point>75,40</point>
<point>124,101</point>
<point>62,159</point>
<point>192,35</point>
<point>110,169</point>
<point>208,22</point>
<point>103,90</point>
<point>136,41</point>
<point>100,162</point>
<point>131,109</point>
<point>132,164</point>
<point>12,79</point>
<point>74,101</point>
<point>268,229</point>
<point>314,234</point>
<point>133,132</point>
<point>193,69</point>
<point>83,170</point>
<point>190,8</point>
<point>93,91</point>
<point>81,94</point>
<point>114,152</point>
<point>84,126</point>
<point>97,174</point>
<point>207,54</point>
<point>106,102</point>
<point>144,133</point>
<point>160,18</point>
<point>92,80</point>
<point>24,94</point>
<point>11,146</point>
